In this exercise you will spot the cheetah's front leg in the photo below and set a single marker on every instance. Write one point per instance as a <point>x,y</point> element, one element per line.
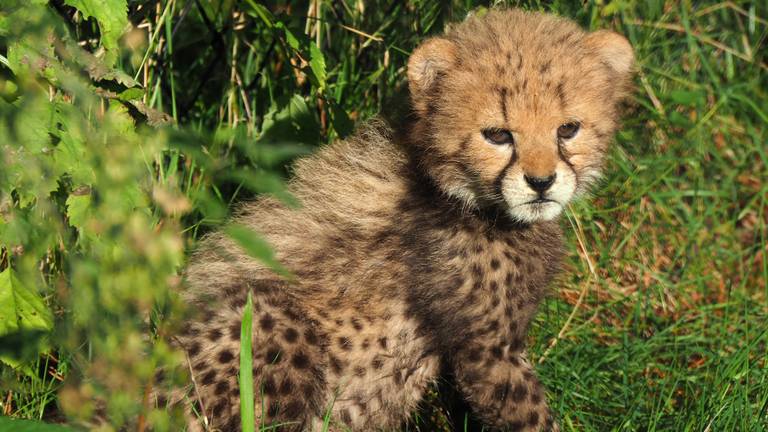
<point>503,389</point>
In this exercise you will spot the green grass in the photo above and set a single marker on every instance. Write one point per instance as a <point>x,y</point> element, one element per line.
<point>659,323</point>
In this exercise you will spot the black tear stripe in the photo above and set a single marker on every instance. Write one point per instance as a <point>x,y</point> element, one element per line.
<point>565,157</point>
<point>503,173</point>
<point>503,97</point>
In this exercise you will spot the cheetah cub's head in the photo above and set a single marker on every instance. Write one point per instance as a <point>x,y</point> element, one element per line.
<point>515,110</point>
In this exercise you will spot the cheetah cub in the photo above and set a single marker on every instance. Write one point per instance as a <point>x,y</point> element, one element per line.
<point>420,248</point>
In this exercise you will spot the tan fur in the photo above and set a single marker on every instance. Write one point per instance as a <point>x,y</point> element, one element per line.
<point>408,252</point>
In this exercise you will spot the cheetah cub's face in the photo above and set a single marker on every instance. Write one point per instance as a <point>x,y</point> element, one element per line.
<point>516,110</point>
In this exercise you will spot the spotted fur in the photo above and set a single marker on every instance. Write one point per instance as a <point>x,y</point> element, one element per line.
<point>411,250</point>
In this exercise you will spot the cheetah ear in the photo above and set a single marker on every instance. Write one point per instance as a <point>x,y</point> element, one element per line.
<point>428,61</point>
<point>613,49</point>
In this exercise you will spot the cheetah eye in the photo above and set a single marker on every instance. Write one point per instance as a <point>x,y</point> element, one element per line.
<point>498,136</point>
<point>568,130</point>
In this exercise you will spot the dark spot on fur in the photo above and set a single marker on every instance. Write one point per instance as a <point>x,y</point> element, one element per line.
<point>225,356</point>
<point>545,67</point>
<point>300,360</point>
<point>272,356</point>
<point>214,335</point>
<point>516,344</point>
<point>209,377</point>
<point>533,418</point>
<point>508,279</point>
<point>475,354</point>
<point>356,324</point>
<point>500,391</point>
<point>493,286</point>
<point>366,344</point>
<point>383,342</point>
<point>377,363</point>
<point>221,388</point>
<point>359,371</point>
<point>194,349</point>
<point>497,352</point>
<point>339,322</point>
<point>519,392</point>
<point>493,326</point>
<point>536,396</point>
<point>310,336</point>
<point>336,366</point>
<point>345,416</point>
<point>237,302</point>
<point>515,426</point>
<point>234,330</point>
<point>290,335</point>
<point>273,409</point>
<point>477,285</point>
<point>219,408</point>
<point>514,360</point>
<point>266,322</point>
<point>293,409</point>
<point>477,271</point>
<point>286,387</point>
<point>495,264</point>
<point>345,343</point>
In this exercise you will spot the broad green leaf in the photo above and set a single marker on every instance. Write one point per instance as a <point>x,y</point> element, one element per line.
<point>341,122</point>
<point>25,322</point>
<point>290,121</point>
<point>317,64</point>
<point>132,93</point>
<point>78,209</point>
<point>112,17</point>
<point>255,246</point>
<point>21,308</point>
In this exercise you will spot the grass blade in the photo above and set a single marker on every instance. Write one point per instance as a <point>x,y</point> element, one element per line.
<point>247,417</point>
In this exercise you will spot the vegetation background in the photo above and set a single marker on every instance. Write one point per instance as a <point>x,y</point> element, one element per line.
<point>128,129</point>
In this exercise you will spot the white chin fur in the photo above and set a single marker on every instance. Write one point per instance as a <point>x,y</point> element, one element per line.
<point>529,213</point>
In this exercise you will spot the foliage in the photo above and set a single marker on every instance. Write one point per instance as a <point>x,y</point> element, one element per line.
<point>129,129</point>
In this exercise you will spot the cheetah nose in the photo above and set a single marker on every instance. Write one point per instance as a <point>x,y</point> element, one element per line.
<point>540,184</point>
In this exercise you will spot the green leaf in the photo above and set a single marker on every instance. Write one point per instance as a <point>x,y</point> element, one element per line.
<point>245,378</point>
<point>25,321</point>
<point>21,308</point>
<point>687,98</point>
<point>255,246</point>
<point>131,94</point>
<point>259,11</point>
<point>264,182</point>
<point>341,122</point>
<point>317,64</point>
<point>78,209</point>
<point>112,17</point>
<point>17,425</point>
<point>289,121</point>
